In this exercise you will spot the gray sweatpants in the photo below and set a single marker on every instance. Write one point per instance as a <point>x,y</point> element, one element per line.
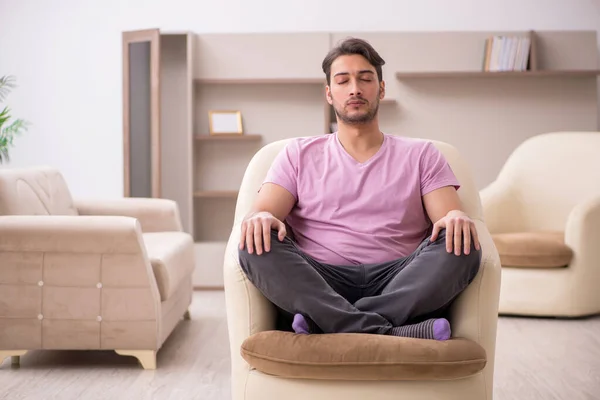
<point>368,298</point>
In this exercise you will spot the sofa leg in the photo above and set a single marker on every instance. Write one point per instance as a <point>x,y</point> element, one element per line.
<point>14,354</point>
<point>187,316</point>
<point>146,357</point>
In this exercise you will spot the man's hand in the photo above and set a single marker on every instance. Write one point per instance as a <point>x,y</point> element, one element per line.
<point>460,229</point>
<point>256,230</point>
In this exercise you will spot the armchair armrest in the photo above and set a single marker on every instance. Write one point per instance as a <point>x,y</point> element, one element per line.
<point>248,311</point>
<point>582,231</point>
<point>155,215</point>
<point>474,313</point>
<point>499,206</point>
<point>582,235</point>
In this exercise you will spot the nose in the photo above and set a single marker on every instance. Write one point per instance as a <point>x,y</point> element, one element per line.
<point>355,89</point>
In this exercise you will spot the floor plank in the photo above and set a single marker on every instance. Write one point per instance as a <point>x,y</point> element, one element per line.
<point>536,359</point>
<point>546,358</point>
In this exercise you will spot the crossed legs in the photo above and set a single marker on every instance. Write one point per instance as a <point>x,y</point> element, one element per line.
<point>361,299</point>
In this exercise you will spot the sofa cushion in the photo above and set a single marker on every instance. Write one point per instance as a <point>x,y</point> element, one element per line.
<point>172,257</point>
<point>353,356</point>
<point>34,191</point>
<point>533,249</point>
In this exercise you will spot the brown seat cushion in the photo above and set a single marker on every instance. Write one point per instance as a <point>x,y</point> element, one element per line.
<point>533,249</point>
<point>353,356</point>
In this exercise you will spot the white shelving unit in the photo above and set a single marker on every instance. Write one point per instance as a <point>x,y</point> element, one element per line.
<point>435,88</point>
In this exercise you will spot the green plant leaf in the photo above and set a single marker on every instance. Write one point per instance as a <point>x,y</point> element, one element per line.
<point>6,83</point>
<point>4,154</point>
<point>15,128</point>
<point>8,129</point>
<point>4,116</point>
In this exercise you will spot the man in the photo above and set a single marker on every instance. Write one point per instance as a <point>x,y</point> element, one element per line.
<point>378,242</point>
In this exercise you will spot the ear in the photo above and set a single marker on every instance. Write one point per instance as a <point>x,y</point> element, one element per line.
<point>328,95</point>
<point>381,90</point>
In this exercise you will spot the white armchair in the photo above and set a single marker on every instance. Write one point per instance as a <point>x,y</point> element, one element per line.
<point>543,211</point>
<point>270,364</point>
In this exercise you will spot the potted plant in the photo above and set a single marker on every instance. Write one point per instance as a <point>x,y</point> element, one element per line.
<point>9,128</point>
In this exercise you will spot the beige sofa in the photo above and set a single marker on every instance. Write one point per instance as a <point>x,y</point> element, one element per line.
<point>272,364</point>
<point>88,275</point>
<point>543,211</point>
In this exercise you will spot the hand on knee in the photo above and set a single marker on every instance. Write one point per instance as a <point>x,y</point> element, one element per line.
<point>257,232</point>
<point>458,232</point>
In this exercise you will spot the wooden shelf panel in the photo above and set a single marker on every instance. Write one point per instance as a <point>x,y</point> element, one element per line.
<point>232,137</point>
<point>216,194</point>
<point>279,81</point>
<point>586,73</point>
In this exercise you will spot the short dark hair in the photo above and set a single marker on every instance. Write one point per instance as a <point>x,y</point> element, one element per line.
<point>351,46</point>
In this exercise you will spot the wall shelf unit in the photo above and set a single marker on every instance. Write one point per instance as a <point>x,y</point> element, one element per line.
<point>437,87</point>
<point>588,73</point>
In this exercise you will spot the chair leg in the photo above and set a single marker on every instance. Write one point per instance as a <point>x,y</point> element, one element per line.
<point>187,316</point>
<point>146,357</point>
<point>14,354</point>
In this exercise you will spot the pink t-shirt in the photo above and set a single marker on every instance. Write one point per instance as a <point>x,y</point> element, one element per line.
<point>350,213</point>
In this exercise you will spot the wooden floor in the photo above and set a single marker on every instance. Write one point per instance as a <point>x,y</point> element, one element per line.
<point>536,359</point>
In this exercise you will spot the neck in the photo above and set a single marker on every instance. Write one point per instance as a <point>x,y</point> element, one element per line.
<point>360,138</point>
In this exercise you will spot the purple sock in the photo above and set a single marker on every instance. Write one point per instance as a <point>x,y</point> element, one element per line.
<point>434,328</point>
<point>300,325</point>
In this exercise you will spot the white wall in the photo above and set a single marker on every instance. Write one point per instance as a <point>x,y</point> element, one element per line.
<point>66,55</point>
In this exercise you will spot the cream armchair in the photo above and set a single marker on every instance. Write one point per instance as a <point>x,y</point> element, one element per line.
<point>271,364</point>
<point>88,275</point>
<point>543,211</point>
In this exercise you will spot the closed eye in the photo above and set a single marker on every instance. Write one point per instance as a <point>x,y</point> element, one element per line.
<point>364,80</point>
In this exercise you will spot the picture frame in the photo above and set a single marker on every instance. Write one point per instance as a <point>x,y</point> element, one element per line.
<point>225,122</point>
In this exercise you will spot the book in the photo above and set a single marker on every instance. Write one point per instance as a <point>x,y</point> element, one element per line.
<point>506,53</point>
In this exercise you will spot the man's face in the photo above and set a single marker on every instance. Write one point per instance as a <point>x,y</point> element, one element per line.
<point>354,90</point>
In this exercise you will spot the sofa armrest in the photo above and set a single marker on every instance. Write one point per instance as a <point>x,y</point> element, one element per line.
<point>90,267</point>
<point>72,234</point>
<point>248,311</point>
<point>582,235</point>
<point>155,215</point>
<point>474,313</point>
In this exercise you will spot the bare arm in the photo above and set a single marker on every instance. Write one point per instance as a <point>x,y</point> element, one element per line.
<point>438,203</point>
<point>271,207</point>
<point>275,200</point>
<point>444,209</point>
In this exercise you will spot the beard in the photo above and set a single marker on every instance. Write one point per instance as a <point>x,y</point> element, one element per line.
<point>363,117</point>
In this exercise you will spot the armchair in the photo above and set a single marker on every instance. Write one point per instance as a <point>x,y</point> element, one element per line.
<point>271,364</point>
<point>88,275</point>
<point>543,211</point>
